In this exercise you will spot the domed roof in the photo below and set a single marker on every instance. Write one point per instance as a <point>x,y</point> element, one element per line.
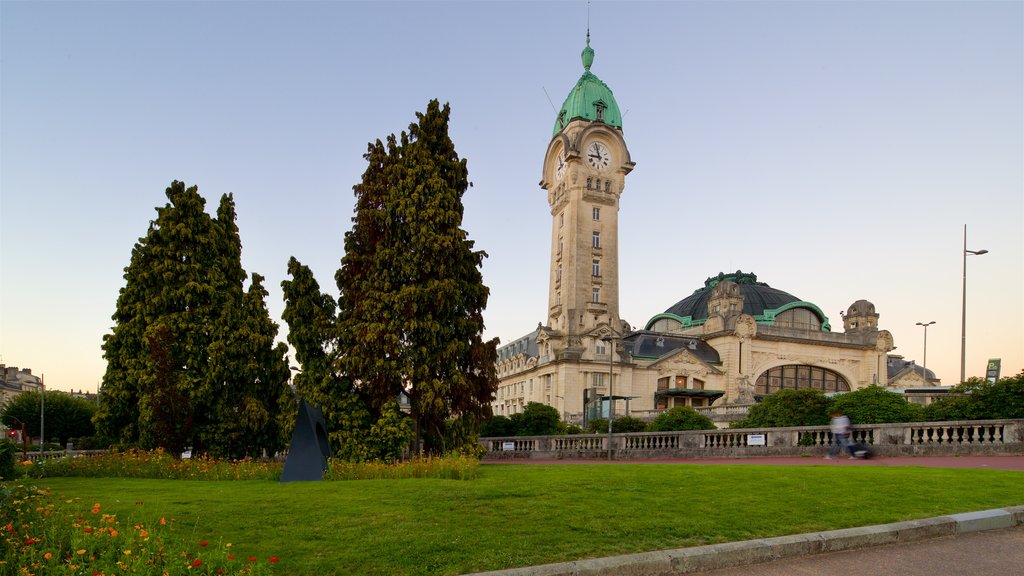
<point>591,99</point>
<point>757,297</point>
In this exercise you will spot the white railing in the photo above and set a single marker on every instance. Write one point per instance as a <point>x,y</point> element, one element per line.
<point>961,437</point>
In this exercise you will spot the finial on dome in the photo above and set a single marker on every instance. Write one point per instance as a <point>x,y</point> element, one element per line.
<point>588,53</point>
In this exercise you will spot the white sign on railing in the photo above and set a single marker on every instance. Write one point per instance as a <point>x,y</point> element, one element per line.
<point>755,439</point>
<point>508,446</point>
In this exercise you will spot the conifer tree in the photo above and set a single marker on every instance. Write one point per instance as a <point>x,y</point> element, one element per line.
<point>313,333</point>
<point>412,295</point>
<point>190,349</point>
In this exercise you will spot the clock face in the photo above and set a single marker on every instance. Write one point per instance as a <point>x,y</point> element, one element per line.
<point>560,166</point>
<point>598,155</point>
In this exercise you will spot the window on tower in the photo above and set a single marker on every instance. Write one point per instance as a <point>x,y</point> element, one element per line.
<point>597,240</point>
<point>597,213</point>
<point>561,219</point>
<point>590,183</point>
<point>607,185</point>
<point>595,268</point>
<point>595,295</point>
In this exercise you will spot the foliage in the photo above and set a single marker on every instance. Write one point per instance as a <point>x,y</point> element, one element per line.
<point>802,407</point>
<point>192,359</point>
<point>313,333</point>
<point>626,424</point>
<point>451,467</point>
<point>875,405</point>
<point>572,429</point>
<point>47,535</point>
<point>412,294</point>
<point>390,435</point>
<point>498,426</point>
<point>979,399</point>
<point>680,418</point>
<point>597,426</point>
<point>66,415</point>
<point>8,455</point>
<point>549,511</point>
<point>538,420</point>
<point>153,464</point>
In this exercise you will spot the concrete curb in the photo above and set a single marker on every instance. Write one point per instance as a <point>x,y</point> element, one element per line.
<point>729,554</point>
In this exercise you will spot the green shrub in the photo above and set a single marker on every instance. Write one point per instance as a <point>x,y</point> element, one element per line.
<point>626,424</point>
<point>538,419</point>
<point>803,407</point>
<point>498,426</point>
<point>598,426</point>
<point>573,429</point>
<point>7,456</point>
<point>979,399</point>
<point>680,418</point>
<point>875,405</point>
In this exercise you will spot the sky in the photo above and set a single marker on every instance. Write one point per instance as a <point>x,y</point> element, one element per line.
<point>835,149</point>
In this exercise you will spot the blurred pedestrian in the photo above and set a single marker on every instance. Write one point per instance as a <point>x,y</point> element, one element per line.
<point>840,435</point>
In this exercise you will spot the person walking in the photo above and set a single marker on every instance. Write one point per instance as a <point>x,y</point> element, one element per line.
<point>840,435</point>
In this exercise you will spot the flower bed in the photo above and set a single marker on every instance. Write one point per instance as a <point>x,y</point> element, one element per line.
<point>44,535</point>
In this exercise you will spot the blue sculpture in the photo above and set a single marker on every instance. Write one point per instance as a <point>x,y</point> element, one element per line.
<point>310,448</point>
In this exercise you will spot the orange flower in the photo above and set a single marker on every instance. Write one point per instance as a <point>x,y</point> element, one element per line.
<point>48,555</point>
<point>143,533</point>
<point>162,521</point>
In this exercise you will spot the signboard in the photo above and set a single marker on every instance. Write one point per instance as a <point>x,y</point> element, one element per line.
<point>508,446</point>
<point>756,439</point>
<point>992,372</point>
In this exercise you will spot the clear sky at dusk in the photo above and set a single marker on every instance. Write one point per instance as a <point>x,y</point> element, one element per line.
<point>835,149</point>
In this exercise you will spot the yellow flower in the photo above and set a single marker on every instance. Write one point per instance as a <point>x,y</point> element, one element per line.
<point>127,552</point>
<point>80,552</point>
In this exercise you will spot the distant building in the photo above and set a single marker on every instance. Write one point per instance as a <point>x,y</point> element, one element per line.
<point>15,381</point>
<point>719,349</point>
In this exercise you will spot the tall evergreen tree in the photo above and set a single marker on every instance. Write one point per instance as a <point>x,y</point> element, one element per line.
<point>412,295</point>
<point>187,335</point>
<point>313,333</point>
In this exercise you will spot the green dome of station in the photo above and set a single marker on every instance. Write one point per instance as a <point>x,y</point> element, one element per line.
<point>591,99</point>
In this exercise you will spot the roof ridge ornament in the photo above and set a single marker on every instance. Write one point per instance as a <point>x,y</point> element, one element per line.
<point>588,53</point>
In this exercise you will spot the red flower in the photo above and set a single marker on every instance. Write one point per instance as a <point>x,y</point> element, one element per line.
<point>251,558</point>
<point>231,556</point>
<point>31,541</point>
<point>273,559</point>
<point>203,543</point>
<point>219,571</point>
<point>196,563</point>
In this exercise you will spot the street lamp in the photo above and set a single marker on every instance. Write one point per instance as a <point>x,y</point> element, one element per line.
<point>963,313</point>
<point>925,372</point>
<point>611,395</point>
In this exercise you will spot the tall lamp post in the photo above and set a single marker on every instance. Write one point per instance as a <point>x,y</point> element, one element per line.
<point>963,310</point>
<point>611,394</point>
<point>924,373</point>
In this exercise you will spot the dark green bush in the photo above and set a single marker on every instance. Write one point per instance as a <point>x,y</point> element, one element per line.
<point>979,399</point>
<point>875,405</point>
<point>498,426</point>
<point>680,418</point>
<point>538,419</point>
<point>598,426</point>
<point>625,424</point>
<point>7,458</point>
<point>803,407</point>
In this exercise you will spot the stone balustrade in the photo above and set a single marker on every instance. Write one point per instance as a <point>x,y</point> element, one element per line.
<point>913,438</point>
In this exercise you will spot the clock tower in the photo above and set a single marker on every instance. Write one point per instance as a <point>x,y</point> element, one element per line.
<point>584,173</point>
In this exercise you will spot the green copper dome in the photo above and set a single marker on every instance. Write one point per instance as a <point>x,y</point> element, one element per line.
<point>591,99</point>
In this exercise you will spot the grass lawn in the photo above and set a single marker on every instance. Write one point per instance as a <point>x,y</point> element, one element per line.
<point>520,515</point>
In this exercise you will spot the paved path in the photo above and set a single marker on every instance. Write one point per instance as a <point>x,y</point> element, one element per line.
<point>989,553</point>
<point>1015,462</point>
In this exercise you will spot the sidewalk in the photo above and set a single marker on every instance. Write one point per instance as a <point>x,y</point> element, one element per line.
<point>984,543</point>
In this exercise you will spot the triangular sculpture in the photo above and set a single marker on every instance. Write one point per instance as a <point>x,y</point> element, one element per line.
<point>310,449</point>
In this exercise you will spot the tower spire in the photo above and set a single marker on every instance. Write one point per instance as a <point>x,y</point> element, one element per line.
<point>588,53</point>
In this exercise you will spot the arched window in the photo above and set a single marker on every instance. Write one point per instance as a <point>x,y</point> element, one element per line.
<point>794,376</point>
